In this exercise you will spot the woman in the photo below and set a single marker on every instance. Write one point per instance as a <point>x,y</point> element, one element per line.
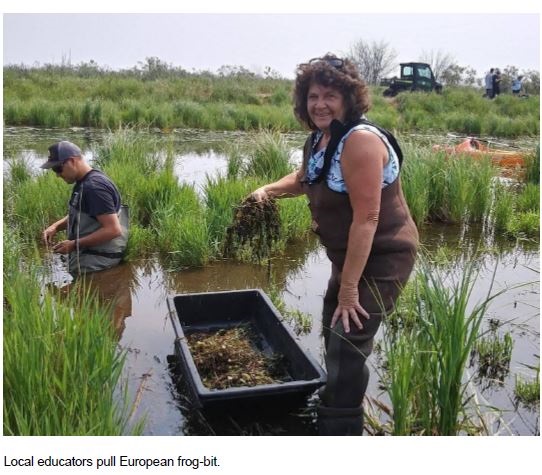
<point>350,174</point>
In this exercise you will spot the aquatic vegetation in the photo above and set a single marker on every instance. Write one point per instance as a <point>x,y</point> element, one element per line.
<point>63,97</point>
<point>527,391</point>
<point>60,358</point>
<point>230,358</point>
<point>425,362</point>
<point>269,157</point>
<point>449,190</point>
<point>256,225</point>
<point>532,166</point>
<point>493,355</point>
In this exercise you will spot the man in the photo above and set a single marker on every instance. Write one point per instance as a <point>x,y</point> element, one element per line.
<point>96,224</point>
<point>489,84</point>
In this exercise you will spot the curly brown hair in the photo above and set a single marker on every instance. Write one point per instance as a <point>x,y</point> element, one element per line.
<point>335,72</point>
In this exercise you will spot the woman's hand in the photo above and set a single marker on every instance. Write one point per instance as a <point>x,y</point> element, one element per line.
<point>260,194</point>
<point>349,308</point>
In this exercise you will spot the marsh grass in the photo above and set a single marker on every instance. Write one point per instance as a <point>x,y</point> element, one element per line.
<point>426,361</point>
<point>493,355</point>
<point>527,391</point>
<point>532,166</point>
<point>451,190</point>
<point>60,358</point>
<point>182,235</point>
<point>165,98</point>
<point>269,157</point>
<point>516,211</point>
<point>464,110</point>
<point>35,203</point>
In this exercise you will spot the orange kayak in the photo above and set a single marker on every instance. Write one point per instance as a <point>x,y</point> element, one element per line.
<point>476,149</point>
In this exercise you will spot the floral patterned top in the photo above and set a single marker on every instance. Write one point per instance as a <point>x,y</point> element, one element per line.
<point>334,178</point>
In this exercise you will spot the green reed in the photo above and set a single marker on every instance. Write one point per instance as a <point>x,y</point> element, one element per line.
<point>452,190</point>
<point>222,195</point>
<point>35,203</point>
<point>516,214</point>
<point>527,391</point>
<point>181,229</point>
<point>532,166</point>
<point>426,360</point>
<point>269,157</point>
<point>60,358</point>
<point>494,354</point>
<point>415,177</point>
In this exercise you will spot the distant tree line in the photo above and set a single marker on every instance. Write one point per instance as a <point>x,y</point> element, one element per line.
<point>150,69</point>
<point>376,60</point>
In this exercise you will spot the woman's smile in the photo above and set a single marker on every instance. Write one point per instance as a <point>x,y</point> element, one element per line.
<point>324,104</point>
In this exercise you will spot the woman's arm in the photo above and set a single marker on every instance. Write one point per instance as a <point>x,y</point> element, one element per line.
<point>362,164</point>
<point>287,187</point>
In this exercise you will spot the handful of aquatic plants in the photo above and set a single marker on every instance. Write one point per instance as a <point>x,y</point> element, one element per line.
<point>255,227</point>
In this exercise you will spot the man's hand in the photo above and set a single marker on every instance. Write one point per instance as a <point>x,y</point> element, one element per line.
<point>49,234</point>
<point>64,247</point>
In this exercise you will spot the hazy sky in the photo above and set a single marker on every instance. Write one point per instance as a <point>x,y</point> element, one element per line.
<point>207,41</point>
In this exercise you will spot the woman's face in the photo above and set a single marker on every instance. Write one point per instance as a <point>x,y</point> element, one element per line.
<point>323,105</point>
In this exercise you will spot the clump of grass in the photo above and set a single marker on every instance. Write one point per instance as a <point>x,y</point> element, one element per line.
<point>448,189</point>
<point>35,203</point>
<point>525,224</point>
<point>60,359</point>
<point>416,175</point>
<point>269,158</point>
<point>503,207</point>
<point>425,362</point>
<point>528,391</point>
<point>532,166</point>
<point>182,236</point>
<point>529,198</point>
<point>493,355</point>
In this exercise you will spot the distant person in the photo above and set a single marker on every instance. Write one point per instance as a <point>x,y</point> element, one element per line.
<point>96,224</point>
<point>351,176</point>
<point>496,82</point>
<point>489,84</point>
<point>517,85</point>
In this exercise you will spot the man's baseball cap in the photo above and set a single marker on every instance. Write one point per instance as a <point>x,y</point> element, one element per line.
<point>60,152</point>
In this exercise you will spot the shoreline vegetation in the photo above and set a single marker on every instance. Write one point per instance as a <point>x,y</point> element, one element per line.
<point>166,98</point>
<point>187,229</point>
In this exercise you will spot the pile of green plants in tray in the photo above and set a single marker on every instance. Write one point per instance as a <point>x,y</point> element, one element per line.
<point>228,358</point>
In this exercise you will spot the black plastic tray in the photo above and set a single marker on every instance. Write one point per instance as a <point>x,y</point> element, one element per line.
<point>212,311</point>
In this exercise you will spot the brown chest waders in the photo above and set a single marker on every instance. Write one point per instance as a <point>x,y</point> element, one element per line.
<point>388,267</point>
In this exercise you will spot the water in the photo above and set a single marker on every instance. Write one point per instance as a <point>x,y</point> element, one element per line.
<point>146,333</point>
